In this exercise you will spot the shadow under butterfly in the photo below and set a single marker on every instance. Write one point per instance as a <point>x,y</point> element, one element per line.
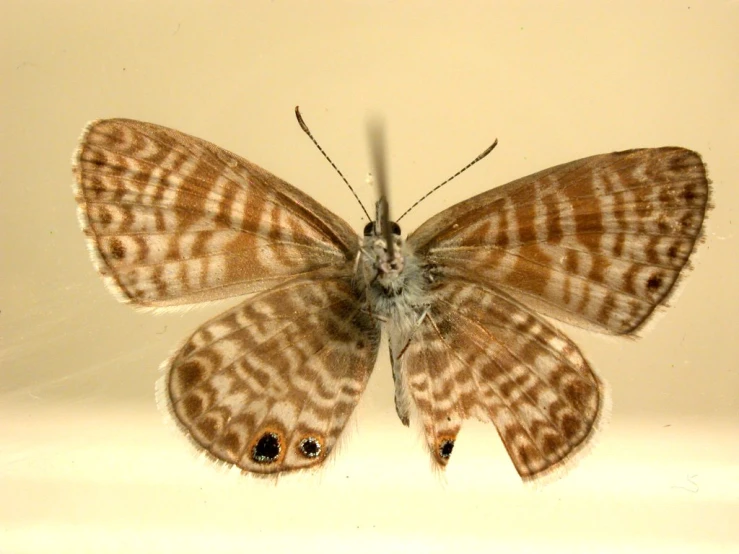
<point>269,385</point>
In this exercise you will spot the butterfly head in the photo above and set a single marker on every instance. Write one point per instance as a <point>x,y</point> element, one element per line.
<point>383,246</point>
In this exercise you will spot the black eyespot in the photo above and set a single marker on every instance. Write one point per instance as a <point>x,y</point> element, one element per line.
<point>395,228</point>
<point>445,450</point>
<point>654,282</point>
<point>310,447</point>
<point>267,449</point>
<point>369,229</point>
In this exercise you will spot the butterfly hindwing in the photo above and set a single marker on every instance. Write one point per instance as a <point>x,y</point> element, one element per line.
<point>269,385</point>
<point>172,219</point>
<point>480,353</point>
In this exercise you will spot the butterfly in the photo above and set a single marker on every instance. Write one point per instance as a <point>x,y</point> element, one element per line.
<point>269,385</point>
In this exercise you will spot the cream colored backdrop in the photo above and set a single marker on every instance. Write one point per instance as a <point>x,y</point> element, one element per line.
<point>86,463</point>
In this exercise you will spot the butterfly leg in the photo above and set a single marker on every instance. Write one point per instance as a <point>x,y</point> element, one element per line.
<point>368,285</point>
<point>357,260</point>
<point>413,331</point>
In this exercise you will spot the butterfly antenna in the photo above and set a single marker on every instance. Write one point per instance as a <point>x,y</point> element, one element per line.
<point>457,174</point>
<point>377,153</point>
<point>310,135</point>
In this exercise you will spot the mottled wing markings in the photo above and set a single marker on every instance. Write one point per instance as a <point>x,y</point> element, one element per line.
<point>479,353</point>
<point>173,219</point>
<point>597,242</point>
<point>269,385</point>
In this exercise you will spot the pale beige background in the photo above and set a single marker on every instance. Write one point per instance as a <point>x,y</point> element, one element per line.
<point>86,462</point>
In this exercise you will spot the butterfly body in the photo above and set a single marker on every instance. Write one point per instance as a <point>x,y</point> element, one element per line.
<point>396,285</point>
<point>270,384</point>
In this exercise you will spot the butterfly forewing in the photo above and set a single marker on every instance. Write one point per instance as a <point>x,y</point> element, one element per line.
<point>269,385</point>
<point>597,242</point>
<point>173,219</point>
<point>479,353</point>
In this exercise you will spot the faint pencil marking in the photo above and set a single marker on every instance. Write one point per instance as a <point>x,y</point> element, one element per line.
<point>269,385</point>
<point>690,479</point>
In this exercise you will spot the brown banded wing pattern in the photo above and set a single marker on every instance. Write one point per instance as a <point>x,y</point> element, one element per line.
<point>598,242</point>
<point>176,220</point>
<point>269,385</point>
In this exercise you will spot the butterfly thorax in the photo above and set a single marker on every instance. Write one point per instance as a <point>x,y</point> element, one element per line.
<point>395,283</point>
